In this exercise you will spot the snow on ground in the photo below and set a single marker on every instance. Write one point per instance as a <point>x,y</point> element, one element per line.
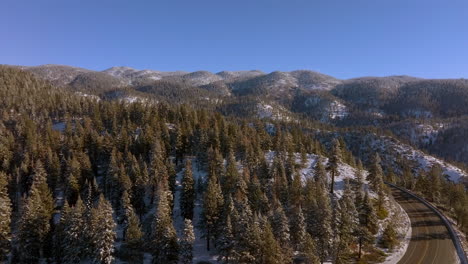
<point>425,133</point>
<point>345,171</point>
<point>133,99</point>
<point>424,161</point>
<point>418,113</point>
<point>91,96</point>
<point>337,110</point>
<point>265,110</point>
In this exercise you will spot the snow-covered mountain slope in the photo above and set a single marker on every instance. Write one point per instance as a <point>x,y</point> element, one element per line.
<point>200,78</point>
<point>311,80</point>
<point>391,150</point>
<point>131,75</point>
<point>419,133</point>
<point>57,74</point>
<point>239,75</point>
<point>321,106</point>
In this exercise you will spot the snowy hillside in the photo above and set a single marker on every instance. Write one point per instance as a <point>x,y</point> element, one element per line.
<point>390,148</point>
<point>346,172</point>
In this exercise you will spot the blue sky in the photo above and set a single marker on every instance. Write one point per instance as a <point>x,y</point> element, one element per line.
<point>345,38</point>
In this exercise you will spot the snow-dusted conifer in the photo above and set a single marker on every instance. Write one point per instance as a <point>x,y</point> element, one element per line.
<point>226,242</point>
<point>186,243</point>
<point>103,236</point>
<point>187,196</point>
<point>212,205</point>
<point>298,228</point>
<point>280,226</point>
<point>74,245</point>
<point>164,238</point>
<point>34,224</point>
<point>333,162</point>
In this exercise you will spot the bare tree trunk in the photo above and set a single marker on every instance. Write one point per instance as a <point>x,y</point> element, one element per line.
<point>332,182</point>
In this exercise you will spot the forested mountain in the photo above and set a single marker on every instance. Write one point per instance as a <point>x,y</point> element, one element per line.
<point>384,102</point>
<point>234,167</point>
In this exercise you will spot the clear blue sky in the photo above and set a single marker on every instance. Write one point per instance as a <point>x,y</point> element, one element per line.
<point>346,38</point>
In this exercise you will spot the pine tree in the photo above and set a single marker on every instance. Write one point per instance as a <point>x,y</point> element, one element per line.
<point>367,223</point>
<point>269,251</point>
<point>296,190</point>
<point>187,197</point>
<point>72,179</point>
<point>111,179</point>
<point>435,178</point>
<point>389,236</point>
<point>186,243</point>
<point>333,162</point>
<point>139,190</point>
<point>225,243</point>
<point>298,228</point>
<point>124,182</point>
<point>347,225</point>
<point>34,224</point>
<point>164,244</point>
<point>359,186</point>
<point>133,235</point>
<point>391,177</point>
<point>230,176</point>
<point>5,217</point>
<point>103,232</point>
<point>375,176</point>
<point>280,181</point>
<point>319,221</point>
<point>257,198</point>
<point>280,226</point>
<point>320,174</point>
<point>73,243</point>
<point>125,212</point>
<point>246,233</point>
<point>309,250</point>
<point>212,205</point>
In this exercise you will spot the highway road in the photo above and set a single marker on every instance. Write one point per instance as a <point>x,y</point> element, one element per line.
<point>430,240</point>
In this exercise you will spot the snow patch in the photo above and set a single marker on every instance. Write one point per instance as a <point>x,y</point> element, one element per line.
<point>268,111</point>
<point>90,96</point>
<point>337,110</point>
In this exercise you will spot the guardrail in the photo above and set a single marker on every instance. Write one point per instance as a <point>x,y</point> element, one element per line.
<point>456,241</point>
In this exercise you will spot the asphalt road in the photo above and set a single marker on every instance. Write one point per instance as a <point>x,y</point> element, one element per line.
<point>430,241</point>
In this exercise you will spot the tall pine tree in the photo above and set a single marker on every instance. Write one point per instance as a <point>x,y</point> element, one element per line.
<point>333,162</point>
<point>103,232</point>
<point>164,244</point>
<point>186,243</point>
<point>34,224</point>
<point>187,197</point>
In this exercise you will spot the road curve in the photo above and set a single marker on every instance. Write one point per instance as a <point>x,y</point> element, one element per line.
<point>430,240</point>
